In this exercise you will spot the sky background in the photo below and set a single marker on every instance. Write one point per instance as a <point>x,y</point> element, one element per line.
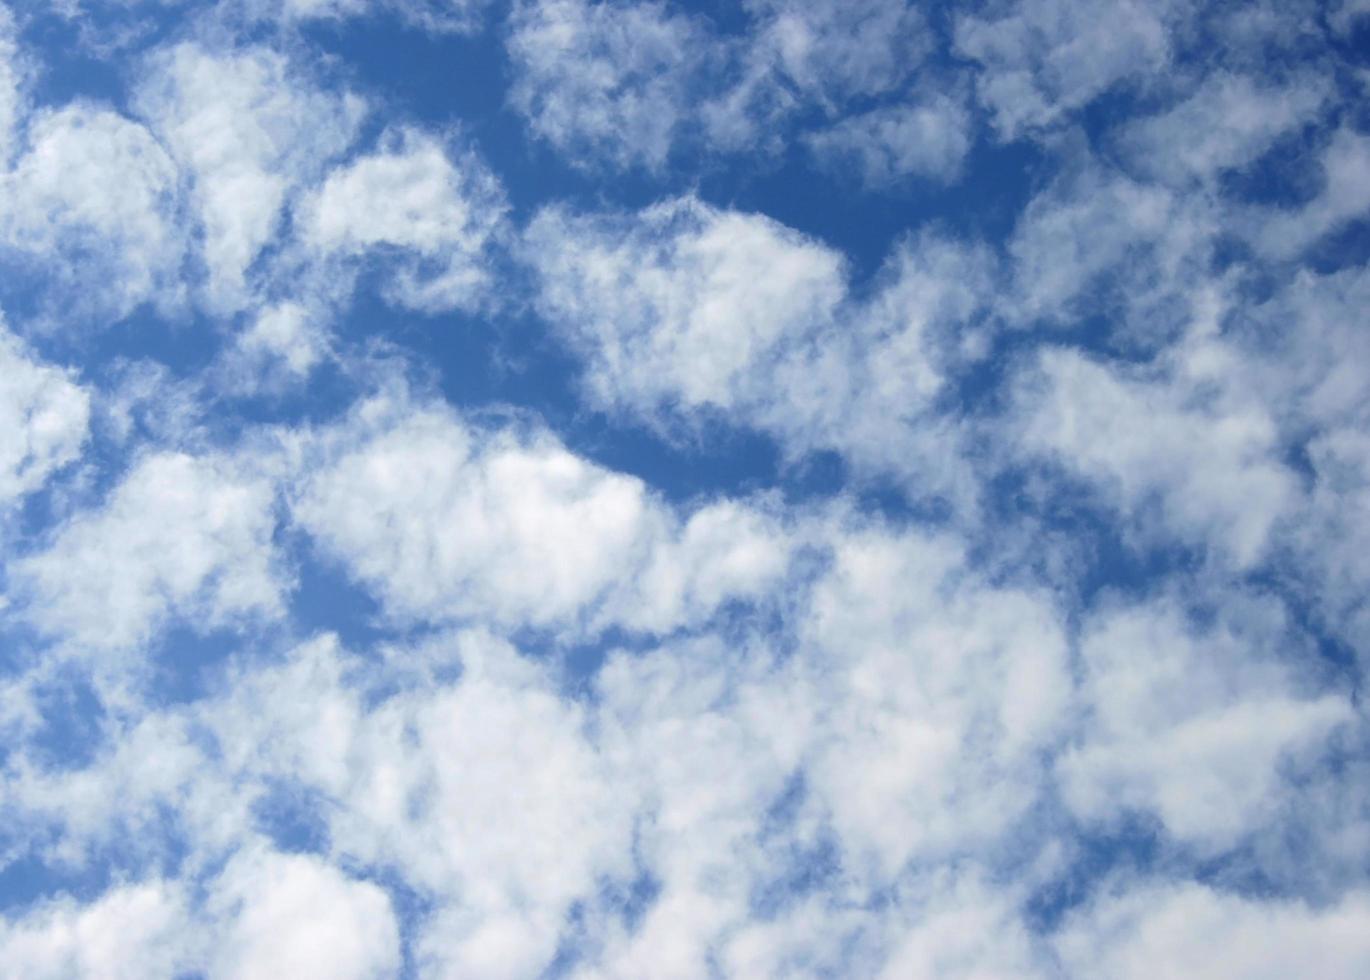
<point>790,488</point>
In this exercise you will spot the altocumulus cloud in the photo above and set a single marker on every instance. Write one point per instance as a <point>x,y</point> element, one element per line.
<point>645,489</point>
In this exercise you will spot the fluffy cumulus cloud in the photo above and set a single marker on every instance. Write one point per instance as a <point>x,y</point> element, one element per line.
<point>645,488</point>
<point>95,189</point>
<point>131,931</point>
<point>682,301</point>
<point>1228,486</point>
<point>672,318</point>
<point>1043,58</point>
<point>608,80</point>
<point>294,914</point>
<point>248,129</point>
<point>1189,930</point>
<point>45,417</point>
<point>436,215</point>
<point>631,83</point>
<point>531,533</point>
<point>178,534</point>
<point>1200,731</point>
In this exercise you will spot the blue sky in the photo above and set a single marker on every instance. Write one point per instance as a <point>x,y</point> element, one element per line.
<point>635,489</point>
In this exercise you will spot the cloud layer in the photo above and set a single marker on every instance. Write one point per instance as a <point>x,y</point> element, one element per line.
<point>617,488</point>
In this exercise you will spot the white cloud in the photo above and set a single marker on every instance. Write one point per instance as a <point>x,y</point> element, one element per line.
<point>903,728</point>
<point>723,551</point>
<point>96,200</point>
<point>938,693</point>
<point>1047,58</point>
<point>684,309</point>
<point>1283,233</point>
<point>12,80</point>
<point>130,932</point>
<point>1197,725</point>
<point>1096,240</point>
<point>150,775</point>
<point>439,214</point>
<point>628,83</point>
<point>1334,539</point>
<point>1181,443</point>
<point>966,928</point>
<point>925,138</point>
<point>249,129</point>
<point>605,81</point>
<point>179,534</point>
<point>814,54</point>
<point>483,793</point>
<point>446,520</point>
<point>1227,123</point>
<point>833,49</point>
<point>681,302</point>
<point>770,735</point>
<point>44,416</point>
<point>294,915</point>
<point>283,344</point>
<point>1187,930</point>
<point>1307,345</point>
<point>707,746</point>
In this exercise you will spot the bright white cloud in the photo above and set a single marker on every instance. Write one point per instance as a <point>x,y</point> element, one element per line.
<point>44,416</point>
<point>938,690</point>
<point>1188,930</point>
<point>1197,725</point>
<point>681,302</point>
<point>1172,443</point>
<point>683,308</point>
<point>446,520</point>
<point>1046,58</point>
<point>179,534</point>
<point>483,793</point>
<point>96,201</point>
<point>294,915</point>
<point>605,81</point>
<point>249,128</point>
<point>412,199</point>
<point>902,729</point>
<point>1091,564</point>
<point>130,932</point>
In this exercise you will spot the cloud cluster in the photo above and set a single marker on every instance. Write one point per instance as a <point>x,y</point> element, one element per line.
<point>830,488</point>
<point>635,84</point>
